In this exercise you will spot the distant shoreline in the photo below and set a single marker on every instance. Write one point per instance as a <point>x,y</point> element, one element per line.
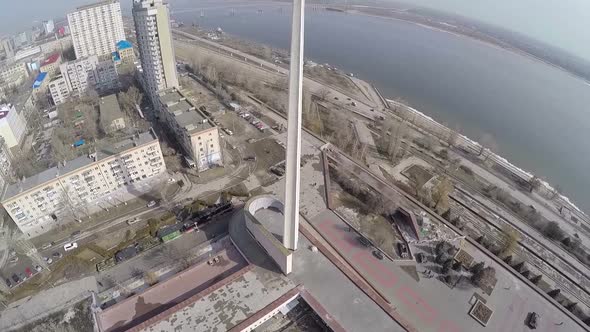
<point>430,23</point>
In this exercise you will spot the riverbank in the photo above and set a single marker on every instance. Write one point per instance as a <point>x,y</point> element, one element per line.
<point>458,30</point>
<point>277,54</point>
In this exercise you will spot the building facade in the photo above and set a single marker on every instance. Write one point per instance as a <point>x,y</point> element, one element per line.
<point>96,28</point>
<point>73,190</point>
<point>82,74</point>
<point>48,27</point>
<point>58,88</point>
<point>154,40</point>
<point>198,136</point>
<point>51,64</point>
<point>8,47</point>
<point>13,73</point>
<point>12,125</point>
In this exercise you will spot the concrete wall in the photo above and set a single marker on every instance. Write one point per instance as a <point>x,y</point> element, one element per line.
<point>282,256</point>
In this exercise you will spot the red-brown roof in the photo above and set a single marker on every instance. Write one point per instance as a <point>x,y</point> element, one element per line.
<point>51,59</point>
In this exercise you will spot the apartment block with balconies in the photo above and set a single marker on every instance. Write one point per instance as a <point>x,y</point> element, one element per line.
<point>69,191</point>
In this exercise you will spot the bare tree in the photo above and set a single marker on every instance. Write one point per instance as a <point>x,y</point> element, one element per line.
<point>323,93</point>
<point>510,241</point>
<point>440,195</point>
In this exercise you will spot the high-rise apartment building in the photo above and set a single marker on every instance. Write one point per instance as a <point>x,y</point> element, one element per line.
<point>154,40</point>
<point>48,27</point>
<point>96,28</point>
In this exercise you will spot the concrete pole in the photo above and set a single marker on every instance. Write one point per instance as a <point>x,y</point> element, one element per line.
<point>291,226</point>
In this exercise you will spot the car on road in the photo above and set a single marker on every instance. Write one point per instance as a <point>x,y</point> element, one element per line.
<point>151,204</point>
<point>38,268</point>
<point>70,246</point>
<point>13,259</point>
<point>47,245</point>
<point>28,272</point>
<point>22,276</point>
<point>8,283</point>
<point>363,240</point>
<point>48,260</point>
<point>132,221</point>
<point>378,254</point>
<point>15,278</point>
<point>57,255</point>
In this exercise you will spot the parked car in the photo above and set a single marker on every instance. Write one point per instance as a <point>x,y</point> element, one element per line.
<point>8,283</point>
<point>47,245</point>
<point>38,268</point>
<point>250,158</point>
<point>13,259</point>
<point>403,250</point>
<point>70,246</point>
<point>151,204</point>
<point>363,240</point>
<point>57,255</point>
<point>28,272</point>
<point>227,131</point>
<point>378,254</point>
<point>48,260</point>
<point>16,278</point>
<point>22,276</point>
<point>132,221</point>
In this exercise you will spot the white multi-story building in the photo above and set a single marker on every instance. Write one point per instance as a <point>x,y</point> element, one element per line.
<point>6,171</point>
<point>12,125</point>
<point>96,28</point>
<point>75,189</point>
<point>48,27</point>
<point>79,74</point>
<point>198,136</point>
<point>82,74</point>
<point>8,47</point>
<point>58,88</point>
<point>154,40</point>
<point>12,74</point>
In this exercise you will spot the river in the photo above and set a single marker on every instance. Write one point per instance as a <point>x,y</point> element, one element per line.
<point>536,115</point>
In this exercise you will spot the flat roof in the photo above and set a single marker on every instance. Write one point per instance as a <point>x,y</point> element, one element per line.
<point>186,114</point>
<point>227,305</point>
<point>96,4</point>
<point>109,109</point>
<point>108,148</point>
<point>164,295</point>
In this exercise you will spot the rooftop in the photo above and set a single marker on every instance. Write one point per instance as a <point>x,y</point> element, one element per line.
<point>51,59</point>
<point>109,148</point>
<point>39,80</point>
<point>185,113</point>
<point>96,4</point>
<point>123,44</point>
<point>109,110</point>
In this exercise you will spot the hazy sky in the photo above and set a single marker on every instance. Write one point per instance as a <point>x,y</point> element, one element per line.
<point>563,23</point>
